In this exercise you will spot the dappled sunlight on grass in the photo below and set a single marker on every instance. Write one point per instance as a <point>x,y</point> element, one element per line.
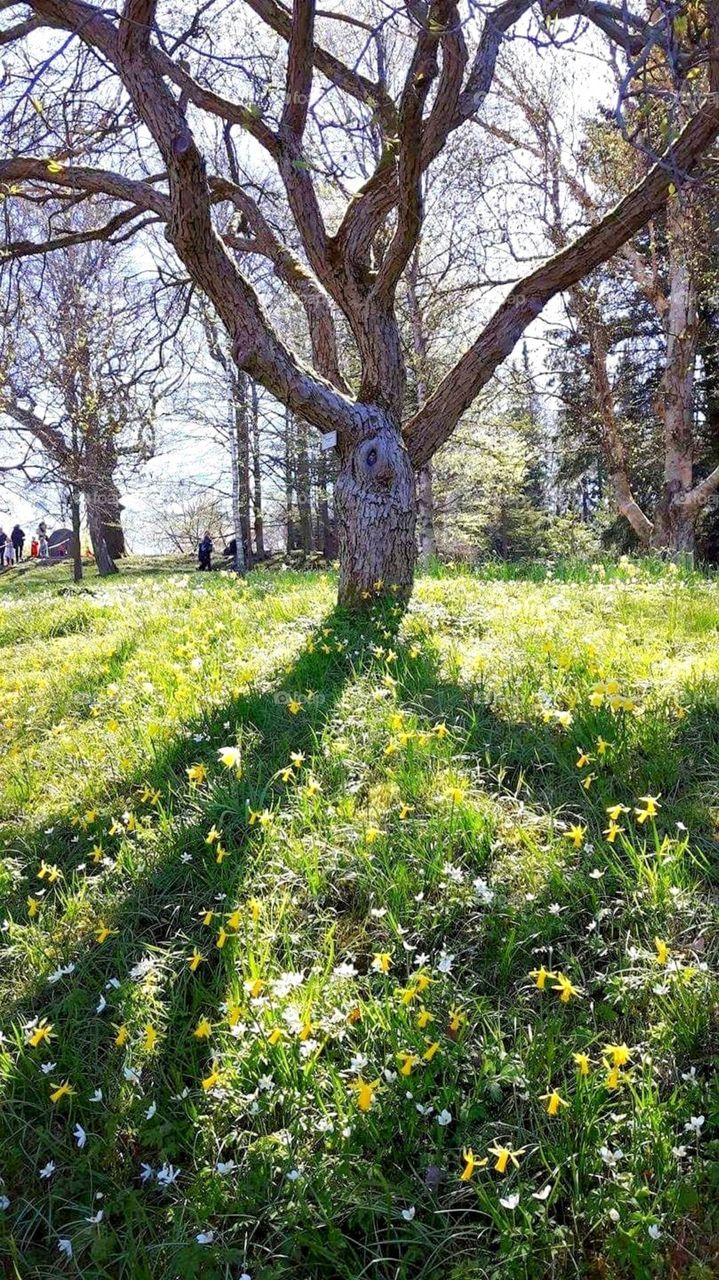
<point>312,915</point>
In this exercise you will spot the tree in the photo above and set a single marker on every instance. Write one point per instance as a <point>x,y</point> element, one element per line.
<point>77,380</point>
<point>438,83</point>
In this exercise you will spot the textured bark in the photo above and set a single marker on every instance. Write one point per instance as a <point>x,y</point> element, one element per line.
<point>104,561</point>
<point>425,511</point>
<point>76,547</point>
<point>425,497</point>
<point>257,476</point>
<point>376,507</point>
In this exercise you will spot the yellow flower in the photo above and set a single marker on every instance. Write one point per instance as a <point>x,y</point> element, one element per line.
<point>230,757</point>
<point>455,795</point>
<point>541,975</point>
<point>602,746</point>
<point>197,773</point>
<point>220,854</point>
<point>372,833</point>
<point>203,1029</point>
<point>619,1054</point>
<point>613,1077</point>
<point>103,933</point>
<point>97,853</point>
<point>587,782</point>
<point>576,834</point>
<point>424,1017</point>
<point>470,1164</point>
<point>293,706</point>
<point>121,1037</point>
<point>405,810</point>
<point>365,1090</point>
<point>43,1031</point>
<point>382,962</point>
<point>566,988</point>
<point>407,1061</point>
<point>583,1064</point>
<point>195,960</point>
<point>234,1013</point>
<point>297,758</point>
<point>212,835</point>
<point>49,871</point>
<point>222,937</point>
<point>207,917</point>
<point>440,730</point>
<point>422,981</point>
<point>504,1155</point>
<point>274,1036</point>
<point>663,952</point>
<point>582,758</point>
<point>210,1081</point>
<point>650,810</point>
<point>287,773</point>
<point>456,1018</point>
<point>612,831</point>
<point>313,787</point>
<point>553,1101</point>
<point>614,811</point>
<point>406,994</point>
<point>33,906</point>
<point>63,1090</point>
<point>150,1038</point>
<point>430,1052</point>
<point>254,987</point>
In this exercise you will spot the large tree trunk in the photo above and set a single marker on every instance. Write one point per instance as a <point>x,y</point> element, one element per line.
<point>76,546</point>
<point>112,521</point>
<point>376,505</point>
<point>104,561</point>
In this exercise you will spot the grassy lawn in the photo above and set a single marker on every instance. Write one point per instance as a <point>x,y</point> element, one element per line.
<point>321,955</point>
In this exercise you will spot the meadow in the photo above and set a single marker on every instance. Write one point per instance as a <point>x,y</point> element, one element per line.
<point>343,949</point>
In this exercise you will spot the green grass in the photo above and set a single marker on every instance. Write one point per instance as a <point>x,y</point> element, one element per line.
<point>422,828</point>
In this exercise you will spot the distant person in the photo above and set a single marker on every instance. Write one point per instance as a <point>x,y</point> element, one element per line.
<point>34,549</point>
<point>3,544</point>
<point>9,554</point>
<point>205,550</point>
<point>17,537</point>
<point>42,540</point>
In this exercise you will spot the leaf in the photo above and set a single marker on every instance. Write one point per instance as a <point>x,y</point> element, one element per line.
<point>671,190</point>
<point>53,166</point>
<point>36,103</point>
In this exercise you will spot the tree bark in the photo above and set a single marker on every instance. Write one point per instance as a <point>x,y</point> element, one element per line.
<point>425,507</point>
<point>76,547</point>
<point>376,505</point>
<point>104,561</point>
<point>257,475</point>
<point>304,494</point>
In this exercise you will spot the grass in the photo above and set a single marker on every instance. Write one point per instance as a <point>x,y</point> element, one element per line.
<point>406,844</point>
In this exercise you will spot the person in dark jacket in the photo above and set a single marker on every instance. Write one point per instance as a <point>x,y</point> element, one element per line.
<point>17,537</point>
<point>3,542</point>
<point>205,551</point>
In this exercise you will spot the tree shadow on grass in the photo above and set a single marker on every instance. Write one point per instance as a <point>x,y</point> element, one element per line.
<point>160,908</point>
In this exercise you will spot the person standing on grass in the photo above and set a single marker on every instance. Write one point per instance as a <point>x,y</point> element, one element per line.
<point>3,544</point>
<point>205,551</point>
<point>17,537</point>
<point>9,553</point>
<point>42,540</point>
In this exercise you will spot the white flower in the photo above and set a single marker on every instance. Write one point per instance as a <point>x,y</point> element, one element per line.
<point>511,1201</point>
<point>293,1175</point>
<point>445,962</point>
<point>96,1096</point>
<point>654,1231</point>
<point>196,664</point>
<point>544,1194</point>
<point>101,1005</point>
<point>378,912</point>
<point>345,970</point>
<point>205,1237</point>
<point>694,1125</point>
<point>4,1202</point>
<point>408,1214</point>
<point>444,1118</point>
<point>185,858</point>
<point>482,892</point>
<point>614,1215</point>
<point>224,1167</point>
<point>80,1136</point>
<point>167,1176</point>
<point>146,1172</point>
<point>554,909</point>
<point>151,1110</point>
<point>679,1152</point>
<point>48,1067</point>
<point>96,1218</point>
<point>131,1075</point>
<point>357,1063</point>
<point>65,1246</point>
<point>49,1169</point>
<point>611,1158</point>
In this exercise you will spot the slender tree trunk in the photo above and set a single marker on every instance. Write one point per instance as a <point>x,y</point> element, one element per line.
<point>235,431</point>
<point>257,474</point>
<point>376,504</point>
<point>104,561</point>
<point>675,523</point>
<point>327,525</point>
<point>76,546</point>
<point>425,495</point>
<point>289,480</point>
<point>304,495</point>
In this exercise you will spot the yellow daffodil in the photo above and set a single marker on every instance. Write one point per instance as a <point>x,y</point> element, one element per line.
<point>33,906</point>
<point>294,707</point>
<point>222,937</point>
<point>470,1164</point>
<point>422,981</point>
<point>582,758</point>
<point>424,1017</point>
<point>195,960</point>
<point>456,1018</point>
<point>197,773</point>
<point>407,1062</point>
<point>662,950</point>
<point>566,988</point>
<point>274,1036</point>
<point>588,780</point>
<point>505,1155</point>
<point>382,961</point>
<point>554,1101</point>
<point>63,1090</point>
<point>430,1051</point>
<point>210,1081</point>
<point>365,1090</point>
<point>230,758</point>
<point>583,1063</point>
<point>150,1037</point>
<point>103,933</point>
<point>576,834</point>
<point>612,831</point>
<point>650,808</point>
<point>540,976</point>
<point>207,917</point>
<point>122,1036</point>
<point>440,730</point>
<point>615,810</point>
<point>602,746</point>
<point>255,987</point>
<point>203,1030</point>
<point>212,835</point>
<point>41,1034</point>
<point>619,1054</point>
<point>220,854</point>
